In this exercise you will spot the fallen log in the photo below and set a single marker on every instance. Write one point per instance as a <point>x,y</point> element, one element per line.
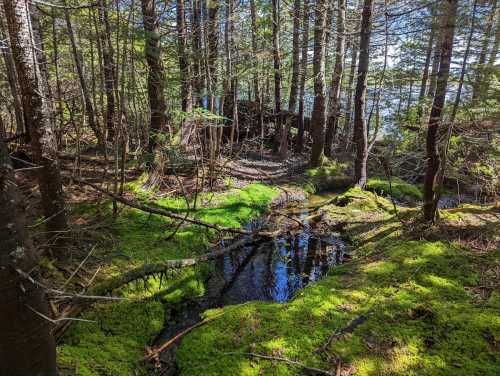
<point>163,212</point>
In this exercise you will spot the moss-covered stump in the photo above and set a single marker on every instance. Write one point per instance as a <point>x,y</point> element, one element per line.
<point>113,344</point>
<point>427,311</point>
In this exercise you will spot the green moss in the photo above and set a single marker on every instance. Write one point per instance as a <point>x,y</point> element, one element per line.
<point>330,176</point>
<point>115,343</point>
<point>422,315</point>
<point>400,189</point>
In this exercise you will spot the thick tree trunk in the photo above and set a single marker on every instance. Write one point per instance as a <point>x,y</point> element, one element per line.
<point>26,344</point>
<point>303,74</point>
<point>109,69</point>
<point>37,119</point>
<point>360,127</point>
<point>448,29</point>
<point>89,106</point>
<point>158,119</point>
<point>334,113</point>
<point>292,103</point>
<point>318,118</point>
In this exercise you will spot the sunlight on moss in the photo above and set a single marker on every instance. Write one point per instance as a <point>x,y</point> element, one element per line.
<point>115,344</point>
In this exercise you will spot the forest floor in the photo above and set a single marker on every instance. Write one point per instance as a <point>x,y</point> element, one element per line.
<point>413,299</point>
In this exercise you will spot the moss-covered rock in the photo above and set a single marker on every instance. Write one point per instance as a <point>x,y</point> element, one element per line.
<point>401,190</point>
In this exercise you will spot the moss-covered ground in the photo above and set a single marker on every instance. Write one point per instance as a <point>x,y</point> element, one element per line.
<point>113,344</point>
<point>431,307</point>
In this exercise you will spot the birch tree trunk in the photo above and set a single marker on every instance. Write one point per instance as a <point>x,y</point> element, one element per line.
<point>37,119</point>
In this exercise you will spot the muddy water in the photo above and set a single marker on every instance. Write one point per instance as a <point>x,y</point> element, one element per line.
<point>268,271</point>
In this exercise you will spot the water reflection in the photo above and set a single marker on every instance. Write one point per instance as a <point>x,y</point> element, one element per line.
<point>275,270</point>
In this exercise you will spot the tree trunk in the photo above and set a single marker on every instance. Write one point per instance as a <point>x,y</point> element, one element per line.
<point>448,29</point>
<point>277,70</point>
<point>109,69</point>
<point>26,344</point>
<point>37,119</point>
<point>479,84</point>
<point>213,44</point>
<point>318,118</point>
<point>183,59</point>
<point>334,113</point>
<point>89,106</point>
<point>295,56</point>
<point>253,15</point>
<point>464,67</point>
<point>197,54</point>
<point>157,104</point>
<point>360,127</point>
<point>425,74</point>
<point>12,80</point>
<point>303,74</point>
<point>350,83</point>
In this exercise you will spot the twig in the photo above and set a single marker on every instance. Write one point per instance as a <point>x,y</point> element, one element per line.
<point>55,321</point>
<point>342,332</point>
<point>79,267</point>
<point>64,294</point>
<point>281,359</point>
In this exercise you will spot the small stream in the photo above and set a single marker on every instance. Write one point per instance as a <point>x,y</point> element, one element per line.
<point>267,270</point>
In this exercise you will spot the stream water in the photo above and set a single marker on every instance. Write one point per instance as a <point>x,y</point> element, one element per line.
<point>269,271</point>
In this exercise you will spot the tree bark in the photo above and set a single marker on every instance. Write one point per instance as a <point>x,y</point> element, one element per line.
<point>277,70</point>
<point>213,44</point>
<point>157,106</point>
<point>26,344</point>
<point>10,71</point>
<point>109,68</point>
<point>303,75</point>
<point>350,83</point>
<point>89,106</point>
<point>360,127</point>
<point>448,29</point>
<point>425,73</point>
<point>334,113</point>
<point>292,103</point>
<point>186,101</point>
<point>37,119</point>
<point>479,84</point>
<point>197,54</point>
<point>318,118</point>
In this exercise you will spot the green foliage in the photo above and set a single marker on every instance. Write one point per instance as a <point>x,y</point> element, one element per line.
<point>400,189</point>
